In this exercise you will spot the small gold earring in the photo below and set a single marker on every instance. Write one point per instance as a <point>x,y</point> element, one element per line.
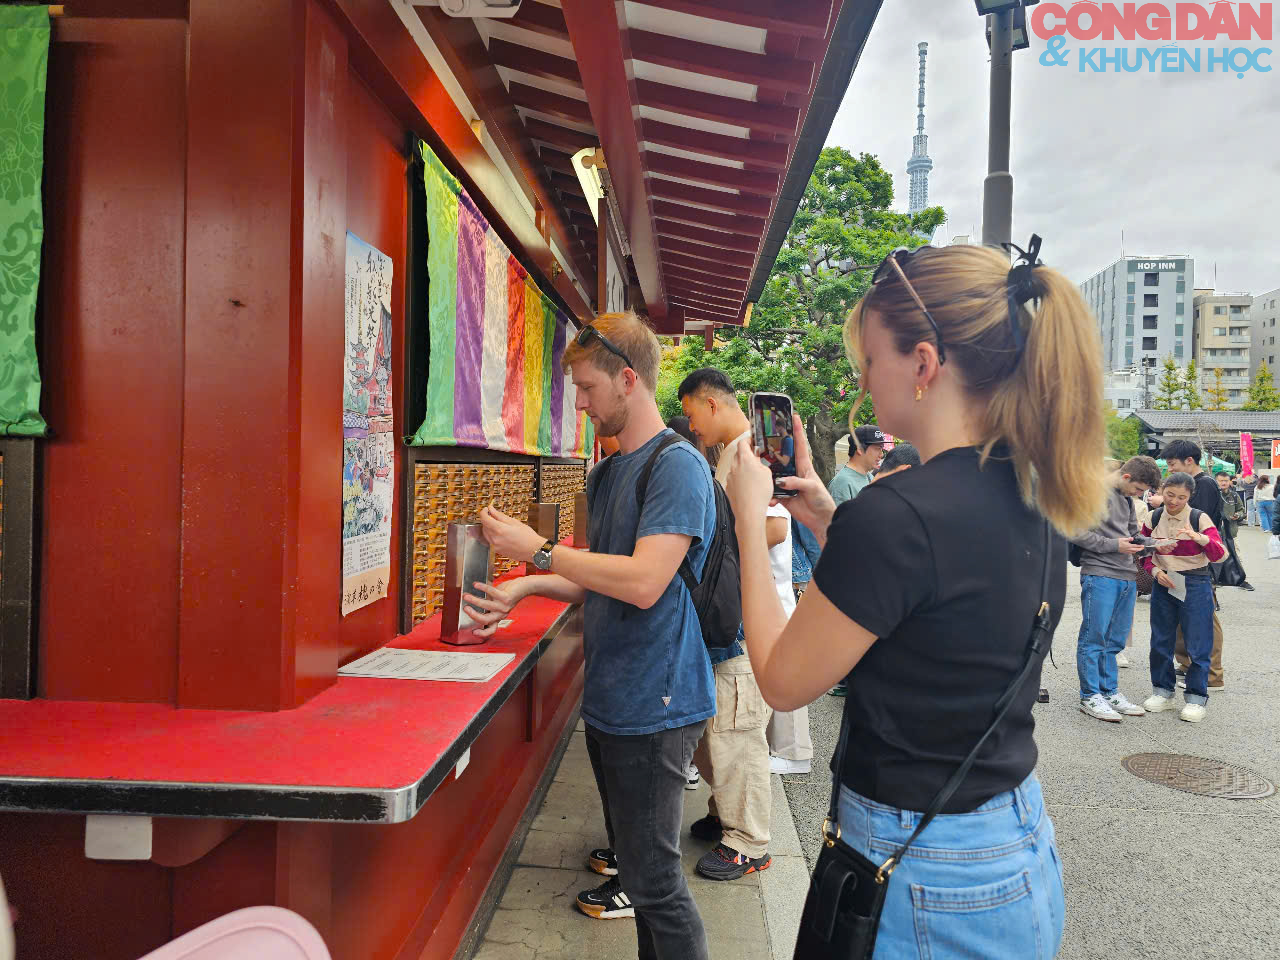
<point>919,393</point>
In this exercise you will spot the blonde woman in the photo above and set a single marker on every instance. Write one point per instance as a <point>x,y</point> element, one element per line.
<point>929,584</point>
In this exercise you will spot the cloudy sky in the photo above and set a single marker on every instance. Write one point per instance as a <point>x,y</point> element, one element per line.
<point>1182,163</point>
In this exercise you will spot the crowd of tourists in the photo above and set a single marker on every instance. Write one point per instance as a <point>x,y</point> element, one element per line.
<point>922,584</point>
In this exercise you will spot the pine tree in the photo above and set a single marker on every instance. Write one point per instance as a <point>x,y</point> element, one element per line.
<point>1218,394</point>
<point>1262,392</point>
<point>1169,389</point>
<point>1191,392</point>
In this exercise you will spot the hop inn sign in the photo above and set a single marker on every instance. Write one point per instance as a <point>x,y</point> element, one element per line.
<point>1236,37</point>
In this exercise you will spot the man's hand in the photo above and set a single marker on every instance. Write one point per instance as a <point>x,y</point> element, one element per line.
<point>494,603</point>
<point>1124,546</point>
<point>508,536</point>
<point>1162,578</point>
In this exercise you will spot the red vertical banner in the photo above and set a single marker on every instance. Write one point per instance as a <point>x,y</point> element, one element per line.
<point>1246,454</point>
<point>1275,454</point>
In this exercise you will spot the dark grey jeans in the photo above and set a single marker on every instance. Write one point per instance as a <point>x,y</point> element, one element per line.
<point>641,781</point>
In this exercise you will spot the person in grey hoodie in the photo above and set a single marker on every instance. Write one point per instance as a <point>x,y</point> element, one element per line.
<point>1108,592</point>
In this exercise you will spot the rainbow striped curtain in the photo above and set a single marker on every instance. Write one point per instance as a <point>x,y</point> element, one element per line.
<point>493,377</point>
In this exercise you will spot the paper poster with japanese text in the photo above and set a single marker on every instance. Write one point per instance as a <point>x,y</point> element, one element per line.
<point>368,436</point>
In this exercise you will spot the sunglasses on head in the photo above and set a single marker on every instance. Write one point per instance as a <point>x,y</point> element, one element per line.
<point>892,264</point>
<point>588,334</point>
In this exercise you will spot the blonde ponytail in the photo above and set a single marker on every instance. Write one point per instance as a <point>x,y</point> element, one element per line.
<point>1043,401</point>
<point>1050,410</point>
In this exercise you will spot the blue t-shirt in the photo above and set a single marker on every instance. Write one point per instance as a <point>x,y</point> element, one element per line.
<point>647,670</point>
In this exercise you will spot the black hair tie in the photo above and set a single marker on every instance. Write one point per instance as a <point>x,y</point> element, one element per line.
<point>1021,285</point>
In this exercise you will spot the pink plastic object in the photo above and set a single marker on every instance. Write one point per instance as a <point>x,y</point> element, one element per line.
<point>255,933</point>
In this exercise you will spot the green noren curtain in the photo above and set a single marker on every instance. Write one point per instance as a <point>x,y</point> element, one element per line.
<point>24,55</point>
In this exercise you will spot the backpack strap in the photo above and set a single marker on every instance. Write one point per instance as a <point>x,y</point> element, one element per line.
<point>642,490</point>
<point>1158,512</point>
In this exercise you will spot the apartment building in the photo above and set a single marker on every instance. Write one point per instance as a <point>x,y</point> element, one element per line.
<point>1265,325</point>
<point>1222,340</point>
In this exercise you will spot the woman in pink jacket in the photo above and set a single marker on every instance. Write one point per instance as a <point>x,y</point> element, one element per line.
<point>1178,566</point>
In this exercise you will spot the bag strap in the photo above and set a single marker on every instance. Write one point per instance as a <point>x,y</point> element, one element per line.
<point>642,490</point>
<point>1041,636</point>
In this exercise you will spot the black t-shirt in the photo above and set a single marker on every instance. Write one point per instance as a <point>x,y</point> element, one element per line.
<point>1208,498</point>
<point>943,563</point>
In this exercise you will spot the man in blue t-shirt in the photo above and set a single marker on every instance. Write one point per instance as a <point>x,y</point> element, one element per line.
<point>648,688</point>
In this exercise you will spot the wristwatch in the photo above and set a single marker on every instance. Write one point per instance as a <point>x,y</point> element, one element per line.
<point>542,559</point>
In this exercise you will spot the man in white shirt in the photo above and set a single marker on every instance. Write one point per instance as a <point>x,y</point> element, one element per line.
<point>733,755</point>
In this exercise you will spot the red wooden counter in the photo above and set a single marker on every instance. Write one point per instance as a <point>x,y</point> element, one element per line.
<point>365,750</point>
<point>345,809</point>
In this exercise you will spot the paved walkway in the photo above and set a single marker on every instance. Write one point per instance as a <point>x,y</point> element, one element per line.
<point>754,918</point>
<point>1150,871</point>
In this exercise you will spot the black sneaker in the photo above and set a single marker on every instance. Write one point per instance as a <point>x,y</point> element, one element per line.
<point>606,902</point>
<point>604,862</point>
<point>1246,586</point>
<point>726,863</point>
<point>708,828</point>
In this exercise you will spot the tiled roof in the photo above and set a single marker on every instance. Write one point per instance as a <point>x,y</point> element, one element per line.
<point>1229,420</point>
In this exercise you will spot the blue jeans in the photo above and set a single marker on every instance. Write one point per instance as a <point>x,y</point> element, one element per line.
<point>981,884</point>
<point>1266,512</point>
<point>1108,615</point>
<point>1195,616</point>
<point>1251,512</point>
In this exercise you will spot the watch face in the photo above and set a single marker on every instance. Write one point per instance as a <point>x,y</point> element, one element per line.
<point>542,559</point>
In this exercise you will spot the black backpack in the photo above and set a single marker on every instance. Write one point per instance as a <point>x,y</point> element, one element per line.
<point>717,598</point>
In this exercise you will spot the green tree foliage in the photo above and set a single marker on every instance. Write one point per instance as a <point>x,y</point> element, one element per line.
<point>1218,395</point>
<point>1169,389</point>
<point>793,343</point>
<point>1262,392</point>
<point>1124,435</point>
<point>1191,389</point>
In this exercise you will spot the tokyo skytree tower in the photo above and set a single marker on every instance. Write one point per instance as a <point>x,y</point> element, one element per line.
<point>919,165</point>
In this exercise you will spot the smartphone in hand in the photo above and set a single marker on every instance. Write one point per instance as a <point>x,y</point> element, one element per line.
<point>771,439</point>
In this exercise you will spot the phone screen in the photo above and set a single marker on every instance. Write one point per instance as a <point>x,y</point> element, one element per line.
<point>771,426</point>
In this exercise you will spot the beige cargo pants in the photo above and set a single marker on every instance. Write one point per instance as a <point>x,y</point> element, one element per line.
<point>733,757</point>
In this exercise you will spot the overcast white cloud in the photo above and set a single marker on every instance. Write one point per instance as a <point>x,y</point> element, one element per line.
<point>1182,163</point>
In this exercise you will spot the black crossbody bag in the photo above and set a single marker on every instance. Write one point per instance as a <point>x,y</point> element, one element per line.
<point>847,891</point>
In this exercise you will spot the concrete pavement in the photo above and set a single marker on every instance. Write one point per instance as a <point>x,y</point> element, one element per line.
<point>754,918</point>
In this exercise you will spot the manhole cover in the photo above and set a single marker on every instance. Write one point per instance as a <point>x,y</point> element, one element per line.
<point>1198,775</point>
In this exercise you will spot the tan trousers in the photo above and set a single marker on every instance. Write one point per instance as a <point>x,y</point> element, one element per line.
<point>1215,662</point>
<point>733,757</point>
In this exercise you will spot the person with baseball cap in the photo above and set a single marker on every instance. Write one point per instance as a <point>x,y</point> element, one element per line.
<point>866,449</point>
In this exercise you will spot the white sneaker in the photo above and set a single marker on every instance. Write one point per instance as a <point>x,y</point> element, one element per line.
<point>1158,704</point>
<point>1192,713</point>
<point>1122,661</point>
<point>781,765</point>
<point>1120,703</point>
<point>1097,706</point>
<point>691,778</point>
